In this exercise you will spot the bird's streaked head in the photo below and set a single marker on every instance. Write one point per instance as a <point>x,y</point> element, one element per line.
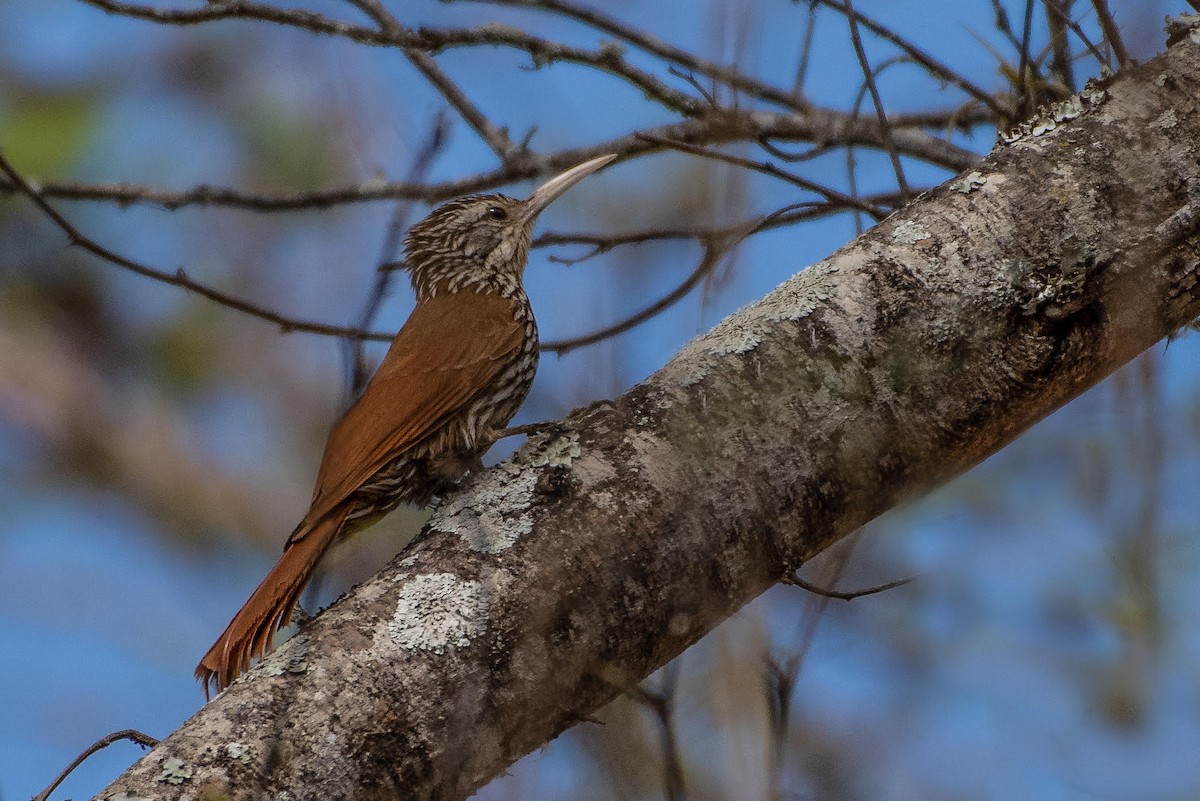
<point>482,241</point>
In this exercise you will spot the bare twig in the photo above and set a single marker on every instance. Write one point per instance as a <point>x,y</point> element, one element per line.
<point>840,595</point>
<point>880,113</point>
<point>661,703</point>
<point>495,137</point>
<point>144,740</point>
<point>1112,32</point>
<point>1061,66</point>
<point>785,216</point>
<point>603,243</point>
<point>1003,25</point>
<point>932,65</point>
<point>781,676</point>
<point>712,256</point>
<point>1062,15</point>
<point>608,58</point>
<point>731,77</point>
<point>714,250</point>
<point>1024,95</point>
<point>542,51</point>
<point>766,168</point>
<point>243,9</point>
<point>817,126</point>
<point>805,52</point>
<point>178,278</point>
<point>808,154</point>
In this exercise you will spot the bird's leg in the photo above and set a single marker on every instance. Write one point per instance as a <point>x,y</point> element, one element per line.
<point>497,434</point>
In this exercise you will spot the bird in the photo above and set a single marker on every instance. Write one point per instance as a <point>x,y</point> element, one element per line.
<point>452,379</point>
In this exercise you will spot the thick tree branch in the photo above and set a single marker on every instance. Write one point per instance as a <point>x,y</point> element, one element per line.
<point>617,538</point>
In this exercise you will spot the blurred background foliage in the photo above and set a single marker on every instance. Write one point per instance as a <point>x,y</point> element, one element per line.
<point>155,449</point>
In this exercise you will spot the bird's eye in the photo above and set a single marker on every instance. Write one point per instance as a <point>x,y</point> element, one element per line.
<point>497,213</point>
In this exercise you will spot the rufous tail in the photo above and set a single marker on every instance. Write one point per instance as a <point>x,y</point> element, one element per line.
<point>270,606</point>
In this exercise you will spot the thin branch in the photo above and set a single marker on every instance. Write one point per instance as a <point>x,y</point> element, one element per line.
<point>852,183</point>
<point>1003,25</point>
<point>729,76</point>
<point>880,113</point>
<point>243,9</point>
<point>712,255</point>
<point>932,65</point>
<point>767,168</point>
<point>288,324</point>
<point>1112,32</point>
<point>819,126</point>
<point>608,58</point>
<point>1061,64</point>
<point>808,154</point>
<point>1024,94</point>
<point>495,137</point>
<point>661,703</point>
<point>1101,59</point>
<point>178,278</point>
<point>543,51</point>
<point>144,740</point>
<point>714,250</point>
<point>602,243</point>
<point>805,51</point>
<point>796,581</point>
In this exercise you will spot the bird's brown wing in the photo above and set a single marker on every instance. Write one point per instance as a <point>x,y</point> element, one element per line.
<point>451,347</point>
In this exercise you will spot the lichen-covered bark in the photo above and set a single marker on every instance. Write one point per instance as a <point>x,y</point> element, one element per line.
<point>615,540</point>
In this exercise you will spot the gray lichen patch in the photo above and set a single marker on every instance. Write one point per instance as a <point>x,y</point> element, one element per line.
<point>969,183</point>
<point>1047,120</point>
<point>551,450</point>
<point>1166,121</point>
<point>436,611</point>
<point>174,771</point>
<point>291,657</point>
<point>240,752</point>
<point>744,330</point>
<point>910,232</point>
<point>495,512</point>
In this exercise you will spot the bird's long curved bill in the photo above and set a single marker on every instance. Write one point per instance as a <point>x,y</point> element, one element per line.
<point>546,194</point>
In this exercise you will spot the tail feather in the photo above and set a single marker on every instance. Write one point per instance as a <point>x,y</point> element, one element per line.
<point>269,607</point>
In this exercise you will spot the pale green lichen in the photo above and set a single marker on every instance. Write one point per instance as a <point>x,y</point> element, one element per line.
<point>744,330</point>
<point>291,657</point>
<point>1047,120</point>
<point>910,233</point>
<point>969,183</point>
<point>175,771</point>
<point>495,512</point>
<point>124,796</point>
<point>239,752</point>
<point>436,611</point>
